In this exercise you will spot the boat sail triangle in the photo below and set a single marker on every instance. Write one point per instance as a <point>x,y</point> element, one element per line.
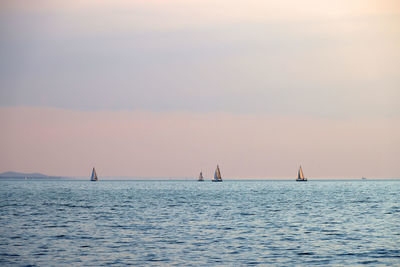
<point>217,175</point>
<point>94,175</point>
<point>300,176</point>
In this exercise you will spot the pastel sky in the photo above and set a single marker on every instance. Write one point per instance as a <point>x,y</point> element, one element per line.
<point>162,88</point>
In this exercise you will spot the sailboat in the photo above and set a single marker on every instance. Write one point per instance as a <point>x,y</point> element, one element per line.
<point>300,176</point>
<point>94,176</point>
<point>201,178</point>
<point>217,175</point>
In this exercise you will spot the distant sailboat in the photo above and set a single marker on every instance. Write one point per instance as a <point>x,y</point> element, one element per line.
<point>300,176</point>
<point>217,175</point>
<point>201,178</point>
<point>94,176</point>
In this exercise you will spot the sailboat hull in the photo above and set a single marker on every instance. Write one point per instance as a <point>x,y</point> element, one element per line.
<point>216,180</point>
<point>301,180</point>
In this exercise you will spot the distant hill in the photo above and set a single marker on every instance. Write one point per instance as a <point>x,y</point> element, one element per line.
<point>20,175</point>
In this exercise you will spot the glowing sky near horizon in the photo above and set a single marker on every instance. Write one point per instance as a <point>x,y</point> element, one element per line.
<point>167,88</point>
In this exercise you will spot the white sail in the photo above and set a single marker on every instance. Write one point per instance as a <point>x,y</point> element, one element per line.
<point>94,175</point>
<point>217,175</point>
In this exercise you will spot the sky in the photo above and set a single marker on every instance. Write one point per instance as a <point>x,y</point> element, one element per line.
<point>162,88</point>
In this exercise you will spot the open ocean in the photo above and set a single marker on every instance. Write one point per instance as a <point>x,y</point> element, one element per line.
<point>163,223</point>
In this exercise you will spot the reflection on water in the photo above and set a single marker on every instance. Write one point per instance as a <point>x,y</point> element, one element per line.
<point>190,223</point>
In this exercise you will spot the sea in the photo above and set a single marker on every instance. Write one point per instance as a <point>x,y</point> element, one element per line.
<point>190,223</point>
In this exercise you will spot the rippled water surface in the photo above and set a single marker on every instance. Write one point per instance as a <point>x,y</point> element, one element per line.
<point>77,223</point>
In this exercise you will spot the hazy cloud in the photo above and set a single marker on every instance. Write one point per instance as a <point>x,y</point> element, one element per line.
<point>318,57</point>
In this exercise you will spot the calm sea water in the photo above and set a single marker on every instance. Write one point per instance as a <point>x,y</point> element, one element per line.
<point>64,223</point>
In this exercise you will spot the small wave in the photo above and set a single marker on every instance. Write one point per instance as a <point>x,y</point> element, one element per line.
<point>305,253</point>
<point>40,254</point>
<point>246,214</point>
<point>253,263</point>
<point>9,255</point>
<point>368,262</point>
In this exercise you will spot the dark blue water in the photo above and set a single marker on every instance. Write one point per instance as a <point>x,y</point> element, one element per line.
<point>77,223</point>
